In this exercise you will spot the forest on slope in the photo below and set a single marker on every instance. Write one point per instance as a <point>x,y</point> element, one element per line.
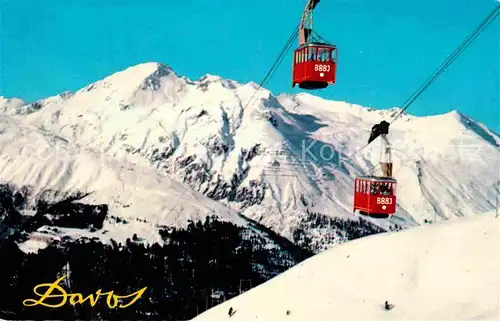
<point>195,267</point>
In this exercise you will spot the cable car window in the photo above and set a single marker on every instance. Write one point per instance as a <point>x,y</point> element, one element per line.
<point>374,189</point>
<point>320,54</point>
<point>312,53</point>
<point>381,188</point>
<point>385,189</point>
<point>333,55</point>
<point>323,54</point>
<point>328,53</point>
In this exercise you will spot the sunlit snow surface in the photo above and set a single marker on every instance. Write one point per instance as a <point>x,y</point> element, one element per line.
<point>446,271</point>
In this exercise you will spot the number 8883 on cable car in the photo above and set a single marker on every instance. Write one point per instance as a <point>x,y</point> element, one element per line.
<point>375,196</point>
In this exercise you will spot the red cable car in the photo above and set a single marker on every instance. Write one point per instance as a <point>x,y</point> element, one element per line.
<point>314,66</point>
<point>314,63</point>
<point>375,196</point>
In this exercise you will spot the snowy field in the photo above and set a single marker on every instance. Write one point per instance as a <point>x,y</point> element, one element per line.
<point>446,271</point>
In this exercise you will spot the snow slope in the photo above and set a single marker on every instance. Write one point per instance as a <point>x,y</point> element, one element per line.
<point>447,271</point>
<point>143,197</point>
<point>284,161</point>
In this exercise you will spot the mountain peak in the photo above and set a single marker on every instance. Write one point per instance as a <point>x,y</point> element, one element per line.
<point>141,84</point>
<point>140,72</point>
<point>10,105</point>
<point>4,99</point>
<point>148,68</point>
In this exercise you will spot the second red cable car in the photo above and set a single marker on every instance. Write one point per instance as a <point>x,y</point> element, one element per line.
<point>375,196</point>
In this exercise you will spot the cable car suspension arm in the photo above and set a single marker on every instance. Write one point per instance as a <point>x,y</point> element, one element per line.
<point>305,29</point>
<point>321,39</point>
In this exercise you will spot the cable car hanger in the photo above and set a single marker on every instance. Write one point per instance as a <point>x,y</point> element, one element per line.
<point>305,28</point>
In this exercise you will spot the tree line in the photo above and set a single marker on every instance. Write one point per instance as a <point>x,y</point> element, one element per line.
<point>182,277</point>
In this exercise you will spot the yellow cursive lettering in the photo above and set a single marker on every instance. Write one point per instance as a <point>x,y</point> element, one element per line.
<point>137,295</point>
<point>112,299</point>
<point>77,298</point>
<point>46,295</point>
<point>108,300</point>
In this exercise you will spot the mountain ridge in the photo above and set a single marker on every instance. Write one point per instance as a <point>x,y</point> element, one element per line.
<point>276,159</point>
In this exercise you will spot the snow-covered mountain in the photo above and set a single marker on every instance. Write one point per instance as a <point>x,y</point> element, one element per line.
<point>47,162</point>
<point>283,161</point>
<point>138,203</point>
<point>447,271</point>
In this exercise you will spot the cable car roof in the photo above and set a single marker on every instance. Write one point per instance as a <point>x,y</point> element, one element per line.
<point>377,178</point>
<point>318,44</point>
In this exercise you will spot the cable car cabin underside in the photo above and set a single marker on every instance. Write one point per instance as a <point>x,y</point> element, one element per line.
<point>375,196</point>
<point>314,66</point>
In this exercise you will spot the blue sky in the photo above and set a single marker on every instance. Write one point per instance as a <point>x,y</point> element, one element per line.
<point>387,48</point>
